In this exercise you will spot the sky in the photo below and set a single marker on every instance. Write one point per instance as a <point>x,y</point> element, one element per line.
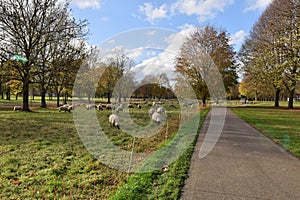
<point>108,18</point>
<point>128,24</point>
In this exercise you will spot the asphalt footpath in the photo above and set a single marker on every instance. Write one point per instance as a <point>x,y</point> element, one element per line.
<point>244,164</point>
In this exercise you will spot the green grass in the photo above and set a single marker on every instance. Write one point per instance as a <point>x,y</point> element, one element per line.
<point>42,157</point>
<point>263,103</point>
<point>281,125</point>
<point>160,184</point>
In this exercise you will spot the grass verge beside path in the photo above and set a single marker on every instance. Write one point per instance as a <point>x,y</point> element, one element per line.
<point>160,184</point>
<point>281,125</point>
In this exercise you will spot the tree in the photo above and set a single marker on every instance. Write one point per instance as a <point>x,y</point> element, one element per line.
<point>203,52</point>
<point>65,62</point>
<point>120,66</point>
<point>271,53</point>
<point>146,86</point>
<point>117,69</point>
<point>27,28</point>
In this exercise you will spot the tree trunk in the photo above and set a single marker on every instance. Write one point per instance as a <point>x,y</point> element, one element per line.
<point>57,99</point>
<point>66,98</point>
<point>8,93</point>
<point>43,99</point>
<point>1,90</point>
<point>26,95</point>
<point>291,99</point>
<point>277,98</point>
<point>108,97</point>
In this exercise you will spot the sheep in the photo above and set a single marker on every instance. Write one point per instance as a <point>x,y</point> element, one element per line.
<point>65,108</point>
<point>130,105</point>
<point>114,120</point>
<point>151,111</point>
<point>161,110</point>
<point>90,106</point>
<point>16,108</point>
<point>100,107</point>
<point>139,106</point>
<point>110,107</point>
<point>156,117</point>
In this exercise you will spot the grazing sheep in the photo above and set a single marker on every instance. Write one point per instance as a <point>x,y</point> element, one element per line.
<point>130,106</point>
<point>161,110</point>
<point>65,108</point>
<point>90,106</point>
<point>139,106</point>
<point>16,108</point>
<point>114,120</point>
<point>151,111</point>
<point>156,117</point>
<point>100,106</point>
<point>110,107</point>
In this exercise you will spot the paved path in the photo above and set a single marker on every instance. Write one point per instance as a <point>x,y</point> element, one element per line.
<point>244,164</point>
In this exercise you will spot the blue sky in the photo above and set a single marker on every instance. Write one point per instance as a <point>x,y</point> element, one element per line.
<point>151,32</point>
<point>108,18</point>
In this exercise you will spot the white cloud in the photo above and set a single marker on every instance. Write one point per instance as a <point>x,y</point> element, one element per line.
<point>203,9</point>
<point>257,5</point>
<point>238,38</point>
<point>95,4</point>
<point>136,53</point>
<point>164,61</point>
<point>152,13</point>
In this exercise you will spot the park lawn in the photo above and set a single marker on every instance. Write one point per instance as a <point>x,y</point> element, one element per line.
<point>281,125</point>
<point>42,156</point>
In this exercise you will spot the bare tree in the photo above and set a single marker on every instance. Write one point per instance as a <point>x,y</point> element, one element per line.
<point>27,28</point>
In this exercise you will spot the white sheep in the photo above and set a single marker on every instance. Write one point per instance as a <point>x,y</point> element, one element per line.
<point>100,106</point>
<point>65,108</point>
<point>139,106</point>
<point>110,107</point>
<point>161,110</point>
<point>16,108</point>
<point>114,120</point>
<point>156,117</point>
<point>151,111</point>
<point>90,106</point>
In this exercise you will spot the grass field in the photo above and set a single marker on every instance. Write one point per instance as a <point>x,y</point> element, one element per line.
<point>280,124</point>
<point>42,157</point>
